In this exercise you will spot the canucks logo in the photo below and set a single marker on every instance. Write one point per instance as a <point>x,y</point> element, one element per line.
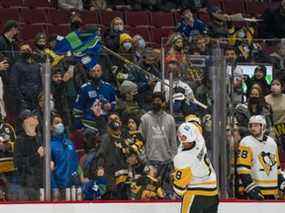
<point>267,160</point>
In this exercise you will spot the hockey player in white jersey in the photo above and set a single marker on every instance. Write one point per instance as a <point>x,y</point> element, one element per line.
<point>194,177</point>
<point>258,163</point>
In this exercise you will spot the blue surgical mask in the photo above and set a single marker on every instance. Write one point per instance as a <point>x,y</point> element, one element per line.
<point>141,44</point>
<point>127,45</point>
<point>59,129</point>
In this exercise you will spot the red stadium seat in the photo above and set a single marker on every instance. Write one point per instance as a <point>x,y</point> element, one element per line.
<point>13,3</point>
<point>137,18</point>
<point>58,16</point>
<point>30,31</point>
<point>159,19</point>
<point>144,32</point>
<point>89,17</point>
<point>106,17</point>
<point>33,16</point>
<point>161,34</point>
<point>62,30</point>
<point>232,7</point>
<point>37,3</point>
<point>9,13</point>
<point>255,8</point>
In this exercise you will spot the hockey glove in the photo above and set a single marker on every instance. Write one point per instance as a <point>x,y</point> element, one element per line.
<point>255,194</point>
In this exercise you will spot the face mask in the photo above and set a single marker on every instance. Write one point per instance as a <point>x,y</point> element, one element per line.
<point>59,129</point>
<point>115,125</point>
<point>141,44</point>
<point>127,45</point>
<point>118,28</point>
<point>156,107</point>
<point>41,46</point>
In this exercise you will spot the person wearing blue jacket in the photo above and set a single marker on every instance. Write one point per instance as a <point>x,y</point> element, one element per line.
<point>190,27</point>
<point>64,158</point>
<point>95,100</point>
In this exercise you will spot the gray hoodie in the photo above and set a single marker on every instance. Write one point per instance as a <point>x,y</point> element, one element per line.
<point>159,132</point>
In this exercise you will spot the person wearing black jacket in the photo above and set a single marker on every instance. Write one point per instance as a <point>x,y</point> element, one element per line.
<point>259,78</point>
<point>25,81</point>
<point>28,156</point>
<point>111,156</point>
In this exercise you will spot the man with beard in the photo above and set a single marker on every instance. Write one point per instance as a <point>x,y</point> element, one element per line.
<point>95,100</point>
<point>159,132</point>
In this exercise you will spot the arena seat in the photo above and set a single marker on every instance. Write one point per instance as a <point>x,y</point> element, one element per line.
<point>33,16</point>
<point>137,18</point>
<point>13,4</point>
<point>9,13</point>
<point>143,31</point>
<point>255,8</point>
<point>90,17</point>
<point>58,16</point>
<point>107,16</point>
<point>159,19</point>
<point>232,7</point>
<point>37,3</point>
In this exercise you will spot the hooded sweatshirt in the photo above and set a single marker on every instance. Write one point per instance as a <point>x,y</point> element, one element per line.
<point>159,132</point>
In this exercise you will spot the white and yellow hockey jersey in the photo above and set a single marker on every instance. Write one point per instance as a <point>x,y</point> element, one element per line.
<point>260,160</point>
<point>193,169</point>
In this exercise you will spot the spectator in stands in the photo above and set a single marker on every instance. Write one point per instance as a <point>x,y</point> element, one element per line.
<point>181,88</point>
<point>255,106</point>
<point>75,21</point>
<point>138,48</point>
<point>29,154</point>
<point>64,159</point>
<point>111,156</point>
<point>40,42</point>
<point>190,26</point>
<point>276,100</point>
<point>126,45</point>
<point>259,77</point>
<point>217,22</point>
<point>159,131</point>
<point>70,4</point>
<point>112,37</point>
<point>238,95</point>
<point>231,56</point>
<point>278,56</point>
<point>7,166</point>
<point>8,40</point>
<point>200,44</point>
<point>274,22</point>
<point>95,100</point>
<point>25,80</point>
<point>4,66</point>
<point>94,5</point>
<point>127,104</point>
<point>96,187</point>
<point>149,186</point>
<point>60,93</point>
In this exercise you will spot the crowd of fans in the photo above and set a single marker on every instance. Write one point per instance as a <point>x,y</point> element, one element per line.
<point>112,133</point>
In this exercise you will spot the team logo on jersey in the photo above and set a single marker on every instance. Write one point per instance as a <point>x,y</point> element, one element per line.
<point>267,160</point>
